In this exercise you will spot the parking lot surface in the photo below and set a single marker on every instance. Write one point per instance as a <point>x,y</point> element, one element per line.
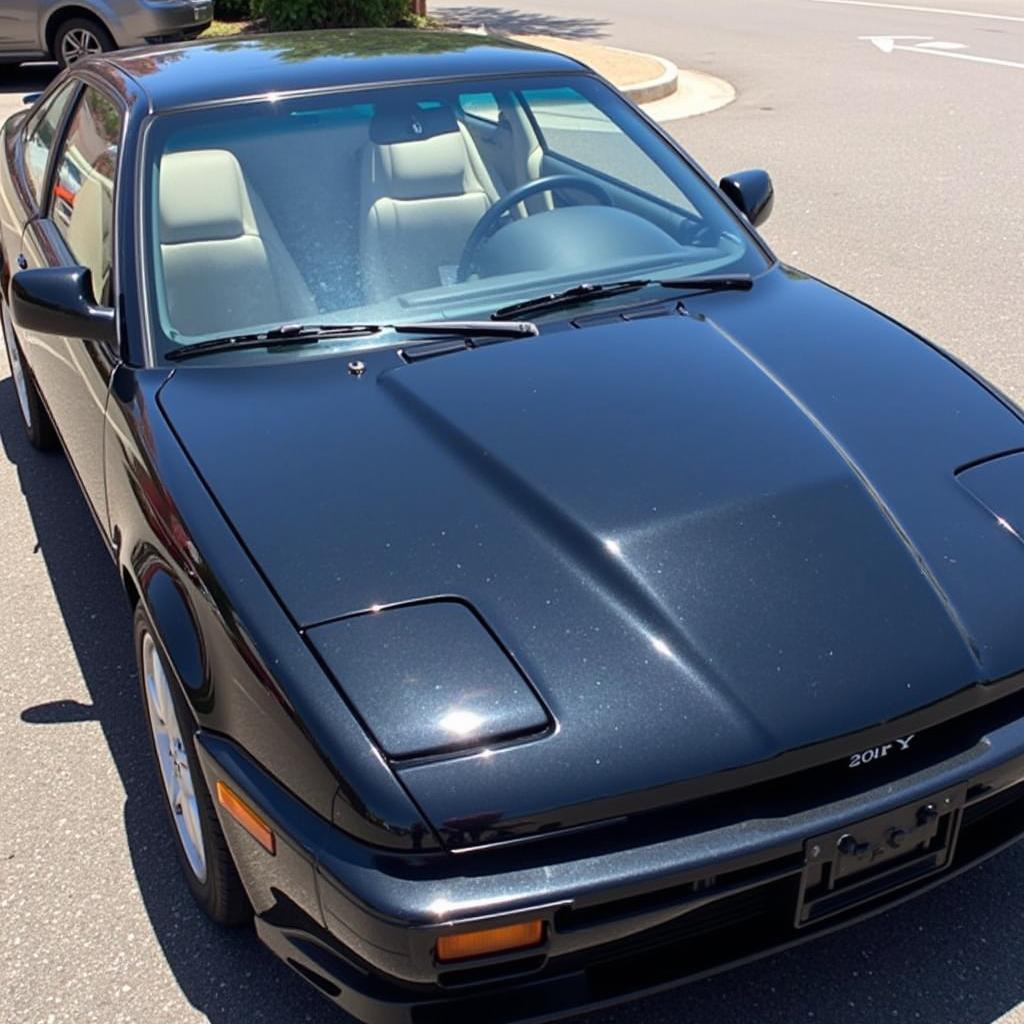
<point>899,177</point>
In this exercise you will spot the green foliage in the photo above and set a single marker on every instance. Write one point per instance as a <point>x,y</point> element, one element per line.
<point>233,10</point>
<point>300,46</point>
<point>301,14</point>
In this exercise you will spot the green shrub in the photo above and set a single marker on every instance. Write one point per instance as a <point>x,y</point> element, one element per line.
<point>233,10</point>
<point>300,14</point>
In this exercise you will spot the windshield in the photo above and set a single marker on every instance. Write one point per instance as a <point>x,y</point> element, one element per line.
<point>432,201</point>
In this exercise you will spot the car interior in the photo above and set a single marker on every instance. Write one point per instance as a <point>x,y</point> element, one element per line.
<point>223,259</point>
<point>368,205</point>
<point>423,187</point>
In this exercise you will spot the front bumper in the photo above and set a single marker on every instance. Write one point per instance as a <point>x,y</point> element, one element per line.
<point>623,919</point>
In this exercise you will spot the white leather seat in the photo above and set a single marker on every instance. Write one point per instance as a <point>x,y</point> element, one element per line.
<point>88,231</point>
<point>225,266</point>
<point>424,187</point>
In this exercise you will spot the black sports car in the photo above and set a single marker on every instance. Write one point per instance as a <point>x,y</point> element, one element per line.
<point>541,594</point>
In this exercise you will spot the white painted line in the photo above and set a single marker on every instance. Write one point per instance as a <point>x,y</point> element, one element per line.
<point>937,48</point>
<point>925,10</point>
<point>963,56</point>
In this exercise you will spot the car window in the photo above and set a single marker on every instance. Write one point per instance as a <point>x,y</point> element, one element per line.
<point>396,211</point>
<point>82,198</point>
<point>40,133</point>
<point>574,128</point>
<point>482,105</point>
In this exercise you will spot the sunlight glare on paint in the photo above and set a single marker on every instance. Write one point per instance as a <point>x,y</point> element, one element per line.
<point>661,647</point>
<point>1008,526</point>
<point>462,723</point>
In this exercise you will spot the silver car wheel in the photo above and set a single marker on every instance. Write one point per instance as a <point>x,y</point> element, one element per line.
<point>17,367</point>
<point>172,757</point>
<point>78,43</point>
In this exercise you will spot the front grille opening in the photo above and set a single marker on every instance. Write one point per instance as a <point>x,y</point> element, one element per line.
<point>727,929</point>
<point>576,918</point>
<point>991,823</point>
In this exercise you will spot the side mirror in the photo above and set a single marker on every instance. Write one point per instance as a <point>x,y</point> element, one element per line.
<point>58,300</point>
<point>751,193</point>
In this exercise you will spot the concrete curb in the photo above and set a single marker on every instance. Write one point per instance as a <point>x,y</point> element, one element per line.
<point>671,95</point>
<point>697,93</point>
<point>654,88</point>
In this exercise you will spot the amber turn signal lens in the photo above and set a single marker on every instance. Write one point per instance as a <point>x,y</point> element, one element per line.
<point>246,817</point>
<point>490,940</point>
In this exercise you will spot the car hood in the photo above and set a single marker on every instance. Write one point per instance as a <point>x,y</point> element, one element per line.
<point>706,538</point>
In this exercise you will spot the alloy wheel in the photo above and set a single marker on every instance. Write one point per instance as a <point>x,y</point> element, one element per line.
<point>78,43</point>
<point>172,756</point>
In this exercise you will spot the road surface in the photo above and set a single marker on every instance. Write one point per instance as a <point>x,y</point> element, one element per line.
<point>899,176</point>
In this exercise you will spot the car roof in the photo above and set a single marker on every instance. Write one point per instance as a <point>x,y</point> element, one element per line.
<point>184,74</point>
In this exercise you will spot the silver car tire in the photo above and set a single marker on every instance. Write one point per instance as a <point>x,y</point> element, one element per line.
<point>202,849</point>
<point>78,38</point>
<point>34,416</point>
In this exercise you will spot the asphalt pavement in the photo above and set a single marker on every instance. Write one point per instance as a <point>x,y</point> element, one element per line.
<point>899,175</point>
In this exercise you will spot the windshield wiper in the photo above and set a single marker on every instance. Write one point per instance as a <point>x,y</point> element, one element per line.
<point>307,334</point>
<point>286,334</point>
<point>709,282</point>
<point>589,292</point>
<point>570,297</point>
<point>471,328</point>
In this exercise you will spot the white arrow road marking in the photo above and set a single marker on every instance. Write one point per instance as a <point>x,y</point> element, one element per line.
<point>888,43</point>
<point>937,48</point>
<point>925,10</point>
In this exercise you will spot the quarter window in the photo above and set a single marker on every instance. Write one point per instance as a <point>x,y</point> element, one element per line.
<point>482,105</point>
<point>39,138</point>
<point>574,129</point>
<point>82,199</point>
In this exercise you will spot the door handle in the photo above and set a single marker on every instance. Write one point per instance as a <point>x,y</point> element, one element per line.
<point>22,262</point>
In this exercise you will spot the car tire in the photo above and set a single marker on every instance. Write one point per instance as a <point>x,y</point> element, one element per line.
<point>203,853</point>
<point>34,416</point>
<point>80,37</point>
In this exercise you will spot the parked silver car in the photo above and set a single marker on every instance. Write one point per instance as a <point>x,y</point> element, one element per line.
<point>65,30</point>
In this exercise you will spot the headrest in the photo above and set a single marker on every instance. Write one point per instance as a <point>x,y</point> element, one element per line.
<point>203,197</point>
<point>424,156</point>
<point>91,212</point>
<point>406,122</point>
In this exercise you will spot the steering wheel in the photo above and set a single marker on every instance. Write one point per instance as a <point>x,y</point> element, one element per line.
<point>488,223</point>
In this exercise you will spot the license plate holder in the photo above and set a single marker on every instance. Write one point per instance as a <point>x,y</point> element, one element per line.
<point>873,857</point>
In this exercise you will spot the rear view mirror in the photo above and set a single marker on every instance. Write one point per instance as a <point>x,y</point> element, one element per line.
<point>751,192</point>
<point>58,300</point>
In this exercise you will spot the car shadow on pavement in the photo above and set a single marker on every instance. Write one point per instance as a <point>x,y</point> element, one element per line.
<point>26,78</point>
<point>511,21</point>
<point>954,956</point>
<point>225,974</point>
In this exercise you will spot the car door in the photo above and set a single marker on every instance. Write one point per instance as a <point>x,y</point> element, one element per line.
<point>19,21</point>
<point>23,173</point>
<point>76,227</point>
